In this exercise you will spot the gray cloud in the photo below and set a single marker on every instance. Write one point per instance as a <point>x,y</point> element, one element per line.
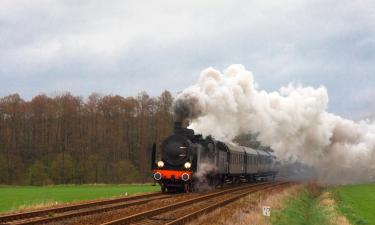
<point>124,47</point>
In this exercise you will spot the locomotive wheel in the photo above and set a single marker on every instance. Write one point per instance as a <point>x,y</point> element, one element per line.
<point>222,180</point>
<point>217,181</point>
<point>163,189</point>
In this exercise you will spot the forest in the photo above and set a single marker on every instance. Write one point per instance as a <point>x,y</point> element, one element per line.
<point>67,139</point>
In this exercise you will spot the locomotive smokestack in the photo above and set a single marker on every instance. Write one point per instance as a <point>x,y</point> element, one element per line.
<point>180,128</point>
<point>177,126</point>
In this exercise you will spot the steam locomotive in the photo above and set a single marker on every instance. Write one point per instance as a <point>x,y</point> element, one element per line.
<point>190,162</point>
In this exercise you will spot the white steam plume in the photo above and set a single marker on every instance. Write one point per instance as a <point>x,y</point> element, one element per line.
<point>293,121</point>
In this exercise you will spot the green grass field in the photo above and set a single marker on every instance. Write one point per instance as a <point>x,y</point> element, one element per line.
<point>357,203</point>
<point>14,197</point>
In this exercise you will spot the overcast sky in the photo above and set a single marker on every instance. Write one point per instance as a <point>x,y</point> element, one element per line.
<point>124,47</point>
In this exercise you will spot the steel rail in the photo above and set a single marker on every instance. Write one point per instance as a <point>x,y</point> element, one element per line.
<point>88,211</point>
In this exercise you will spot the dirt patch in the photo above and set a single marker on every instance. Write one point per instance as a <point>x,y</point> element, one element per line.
<point>329,203</point>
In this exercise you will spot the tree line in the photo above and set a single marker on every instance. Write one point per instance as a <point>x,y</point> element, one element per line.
<point>67,139</point>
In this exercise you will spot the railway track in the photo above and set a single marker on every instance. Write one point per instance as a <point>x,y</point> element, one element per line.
<point>63,212</point>
<point>172,212</point>
<point>185,211</point>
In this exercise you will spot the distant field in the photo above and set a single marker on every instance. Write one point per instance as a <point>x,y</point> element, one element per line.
<point>14,197</point>
<point>357,202</point>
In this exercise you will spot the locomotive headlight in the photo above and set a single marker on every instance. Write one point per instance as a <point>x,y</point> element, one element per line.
<point>187,165</point>
<point>160,164</point>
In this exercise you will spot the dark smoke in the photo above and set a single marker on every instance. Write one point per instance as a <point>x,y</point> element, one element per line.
<point>187,108</point>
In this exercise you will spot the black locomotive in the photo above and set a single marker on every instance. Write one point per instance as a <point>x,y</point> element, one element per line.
<point>189,161</point>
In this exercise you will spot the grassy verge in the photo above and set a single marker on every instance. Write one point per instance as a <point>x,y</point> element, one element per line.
<point>302,209</point>
<point>357,203</point>
<point>15,198</point>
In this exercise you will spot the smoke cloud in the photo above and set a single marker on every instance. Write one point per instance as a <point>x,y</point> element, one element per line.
<point>293,121</point>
